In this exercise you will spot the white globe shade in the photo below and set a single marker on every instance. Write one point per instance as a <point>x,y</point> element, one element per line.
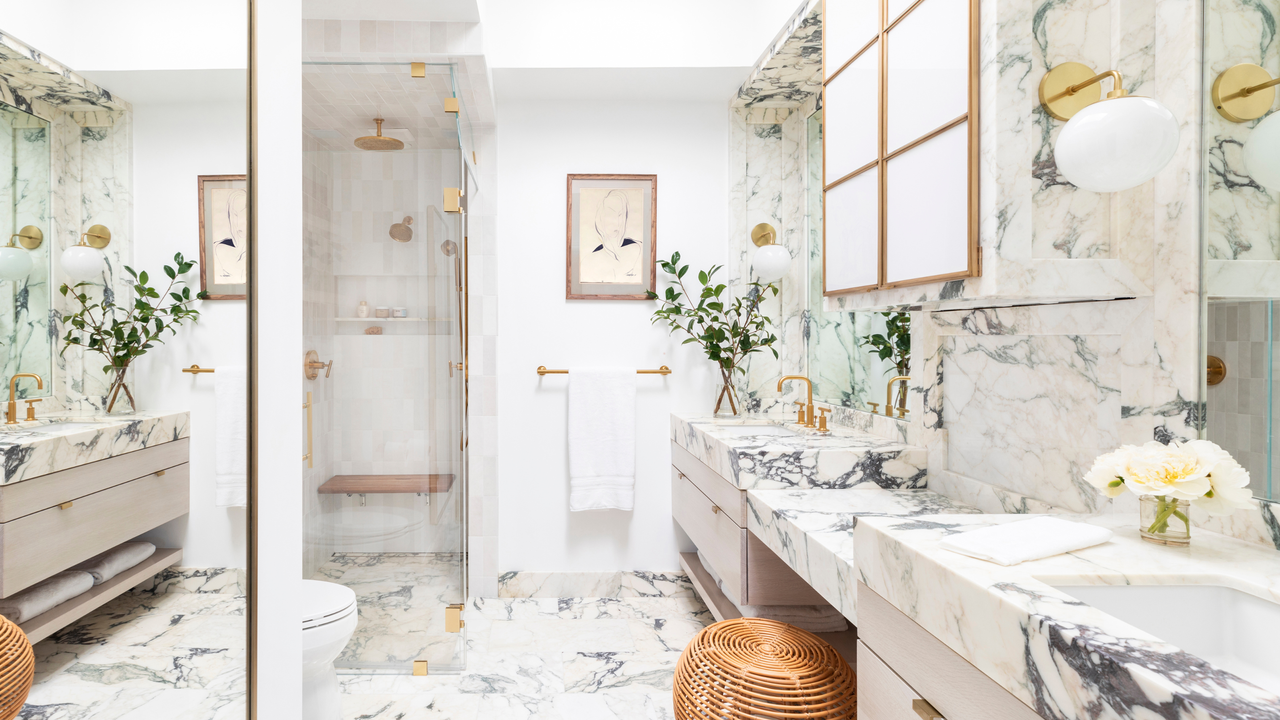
<point>82,263</point>
<point>1262,152</point>
<point>15,263</point>
<point>1116,144</point>
<point>771,263</point>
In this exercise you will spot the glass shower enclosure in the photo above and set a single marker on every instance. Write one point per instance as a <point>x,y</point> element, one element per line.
<point>385,323</point>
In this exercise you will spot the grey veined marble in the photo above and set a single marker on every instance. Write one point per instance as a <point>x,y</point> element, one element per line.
<point>37,448</point>
<point>842,458</point>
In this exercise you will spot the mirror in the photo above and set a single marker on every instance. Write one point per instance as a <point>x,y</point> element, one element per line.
<point>1241,242</point>
<point>24,271</point>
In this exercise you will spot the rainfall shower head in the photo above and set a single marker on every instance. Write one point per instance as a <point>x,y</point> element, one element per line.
<point>401,232</point>
<point>378,143</point>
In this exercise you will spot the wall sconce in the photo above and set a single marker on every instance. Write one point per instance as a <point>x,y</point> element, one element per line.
<point>771,261</point>
<point>1107,145</point>
<point>1245,92</point>
<point>83,261</point>
<point>15,263</point>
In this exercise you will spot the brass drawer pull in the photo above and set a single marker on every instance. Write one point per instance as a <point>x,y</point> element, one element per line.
<point>160,473</point>
<point>65,505</point>
<point>715,509</point>
<point>925,710</point>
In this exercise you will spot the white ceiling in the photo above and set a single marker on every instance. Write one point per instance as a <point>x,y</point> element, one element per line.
<point>171,87</point>
<point>421,10</point>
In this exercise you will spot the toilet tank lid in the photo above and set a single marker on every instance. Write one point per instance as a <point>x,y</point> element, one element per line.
<point>321,599</point>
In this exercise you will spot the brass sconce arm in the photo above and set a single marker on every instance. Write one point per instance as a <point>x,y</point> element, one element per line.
<point>1246,92</point>
<point>1117,86</point>
<point>1063,89</point>
<point>1243,92</point>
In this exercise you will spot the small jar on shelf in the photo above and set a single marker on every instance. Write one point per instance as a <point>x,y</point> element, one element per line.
<point>363,309</point>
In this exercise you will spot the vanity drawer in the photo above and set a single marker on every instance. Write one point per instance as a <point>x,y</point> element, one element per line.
<point>723,493</point>
<point>44,543</point>
<point>47,491</point>
<point>721,542</point>
<point>882,695</point>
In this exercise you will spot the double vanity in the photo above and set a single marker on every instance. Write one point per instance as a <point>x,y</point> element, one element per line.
<point>1123,629</point>
<point>73,488</point>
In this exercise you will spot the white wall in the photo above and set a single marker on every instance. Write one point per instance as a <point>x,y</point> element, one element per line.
<point>173,144</point>
<point>653,34</point>
<point>686,145</point>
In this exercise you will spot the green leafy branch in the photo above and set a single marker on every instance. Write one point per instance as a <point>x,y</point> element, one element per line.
<point>123,334</point>
<point>727,331</point>
<point>894,345</point>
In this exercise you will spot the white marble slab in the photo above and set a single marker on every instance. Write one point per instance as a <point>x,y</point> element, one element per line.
<point>34,449</point>
<point>812,530</point>
<point>1064,658</point>
<point>841,458</point>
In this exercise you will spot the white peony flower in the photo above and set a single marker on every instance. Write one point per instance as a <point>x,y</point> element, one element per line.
<point>1107,473</point>
<point>1229,482</point>
<point>1170,470</point>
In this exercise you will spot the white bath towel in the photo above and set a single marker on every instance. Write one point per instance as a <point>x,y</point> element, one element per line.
<point>602,438</point>
<point>1031,539</point>
<point>107,565</point>
<point>231,446</point>
<point>814,618</point>
<point>45,595</point>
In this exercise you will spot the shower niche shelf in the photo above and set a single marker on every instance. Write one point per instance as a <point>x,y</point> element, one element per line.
<point>380,484</point>
<point>403,319</point>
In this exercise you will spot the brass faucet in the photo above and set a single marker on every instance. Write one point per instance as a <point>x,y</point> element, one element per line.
<point>888,396</point>
<point>808,422</point>
<point>11,415</point>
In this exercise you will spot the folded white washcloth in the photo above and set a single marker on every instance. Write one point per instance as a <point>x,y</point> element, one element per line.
<point>1031,539</point>
<point>231,437</point>
<point>45,596</point>
<point>107,565</point>
<point>813,618</point>
<point>602,439</point>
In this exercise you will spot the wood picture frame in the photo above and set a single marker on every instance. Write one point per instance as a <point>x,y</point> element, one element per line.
<point>224,236</point>
<point>603,259</point>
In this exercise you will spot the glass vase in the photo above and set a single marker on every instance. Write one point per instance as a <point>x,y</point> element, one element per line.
<point>1164,520</point>
<point>119,400</point>
<point>726,403</point>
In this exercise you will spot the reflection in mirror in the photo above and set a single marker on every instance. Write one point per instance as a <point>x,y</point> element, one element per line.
<point>1241,238</point>
<point>24,269</point>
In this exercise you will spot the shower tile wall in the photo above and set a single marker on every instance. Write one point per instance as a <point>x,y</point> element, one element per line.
<point>1238,406</point>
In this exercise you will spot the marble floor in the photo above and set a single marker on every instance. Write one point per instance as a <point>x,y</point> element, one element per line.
<point>145,656</point>
<point>607,658</point>
<point>401,598</point>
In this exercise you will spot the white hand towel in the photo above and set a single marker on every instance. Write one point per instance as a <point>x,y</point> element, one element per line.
<point>111,563</point>
<point>231,436</point>
<point>602,439</point>
<point>813,618</point>
<point>46,595</point>
<point>1032,539</point>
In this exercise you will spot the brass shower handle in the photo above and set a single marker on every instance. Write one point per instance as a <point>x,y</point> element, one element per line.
<point>311,366</point>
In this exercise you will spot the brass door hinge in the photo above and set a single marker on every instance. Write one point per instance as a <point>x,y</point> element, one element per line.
<point>453,621</point>
<point>419,667</point>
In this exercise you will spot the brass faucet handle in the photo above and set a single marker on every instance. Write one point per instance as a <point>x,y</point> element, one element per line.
<point>902,412</point>
<point>800,415</point>
<point>875,408</point>
<point>31,408</point>
<point>822,419</point>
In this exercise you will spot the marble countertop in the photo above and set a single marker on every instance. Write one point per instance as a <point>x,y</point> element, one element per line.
<point>843,458</point>
<point>1062,657</point>
<point>47,445</point>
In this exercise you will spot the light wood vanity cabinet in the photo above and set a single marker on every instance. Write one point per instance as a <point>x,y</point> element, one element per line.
<point>713,512</point>
<point>901,664</point>
<point>51,522</point>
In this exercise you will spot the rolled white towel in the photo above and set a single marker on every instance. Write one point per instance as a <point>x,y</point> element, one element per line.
<point>44,596</point>
<point>814,618</point>
<point>107,565</point>
<point>1022,540</point>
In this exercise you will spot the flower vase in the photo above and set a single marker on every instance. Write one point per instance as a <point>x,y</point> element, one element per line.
<point>726,401</point>
<point>119,400</point>
<point>1164,520</point>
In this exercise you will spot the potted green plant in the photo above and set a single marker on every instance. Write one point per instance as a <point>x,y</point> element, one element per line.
<point>894,345</point>
<point>123,334</point>
<point>728,331</point>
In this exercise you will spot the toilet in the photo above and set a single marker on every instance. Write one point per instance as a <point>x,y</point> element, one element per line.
<point>328,619</point>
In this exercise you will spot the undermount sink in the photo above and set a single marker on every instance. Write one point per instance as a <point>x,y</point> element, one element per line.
<point>63,426</point>
<point>745,430</point>
<point>1230,629</point>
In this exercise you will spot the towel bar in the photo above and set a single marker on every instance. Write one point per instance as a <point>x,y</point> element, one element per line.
<point>196,370</point>
<point>664,370</point>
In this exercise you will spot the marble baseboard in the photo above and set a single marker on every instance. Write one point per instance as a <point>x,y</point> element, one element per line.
<point>217,580</point>
<point>594,584</point>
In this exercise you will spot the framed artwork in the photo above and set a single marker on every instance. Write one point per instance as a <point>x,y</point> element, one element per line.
<point>224,236</point>
<point>611,239</point>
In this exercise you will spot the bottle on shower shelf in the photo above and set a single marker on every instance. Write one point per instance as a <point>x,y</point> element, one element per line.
<point>363,309</point>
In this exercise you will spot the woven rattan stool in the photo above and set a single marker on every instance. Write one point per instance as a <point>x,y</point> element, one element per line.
<point>17,666</point>
<point>754,668</point>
